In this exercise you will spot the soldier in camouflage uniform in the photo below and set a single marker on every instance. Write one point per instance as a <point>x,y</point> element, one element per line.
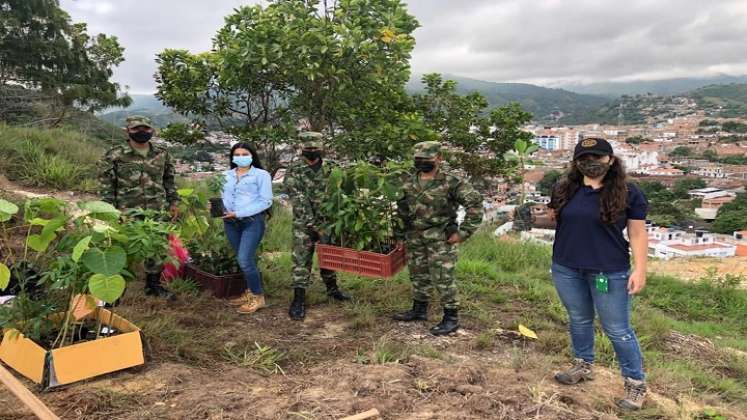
<point>141,175</point>
<point>306,182</point>
<point>428,209</point>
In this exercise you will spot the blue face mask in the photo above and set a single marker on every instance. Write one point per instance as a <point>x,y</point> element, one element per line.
<point>242,161</point>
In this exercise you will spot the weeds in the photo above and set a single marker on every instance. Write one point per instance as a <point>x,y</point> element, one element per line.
<point>263,359</point>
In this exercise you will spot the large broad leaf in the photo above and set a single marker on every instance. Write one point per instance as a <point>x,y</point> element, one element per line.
<point>185,192</point>
<point>40,243</point>
<point>106,288</point>
<point>4,276</point>
<point>52,225</point>
<point>7,210</point>
<point>100,210</point>
<point>80,248</point>
<point>108,263</point>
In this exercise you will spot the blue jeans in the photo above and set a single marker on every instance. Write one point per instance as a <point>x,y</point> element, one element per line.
<point>245,236</point>
<point>578,292</point>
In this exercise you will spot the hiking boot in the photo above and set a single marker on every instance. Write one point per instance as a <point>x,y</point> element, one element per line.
<point>335,293</point>
<point>580,371</point>
<point>243,299</point>
<point>635,393</point>
<point>153,287</point>
<point>419,312</point>
<point>297,309</point>
<point>448,324</point>
<point>255,303</point>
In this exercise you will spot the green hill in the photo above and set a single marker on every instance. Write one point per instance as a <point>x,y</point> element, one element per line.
<point>544,103</point>
<point>727,101</point>
<point>145,105</point>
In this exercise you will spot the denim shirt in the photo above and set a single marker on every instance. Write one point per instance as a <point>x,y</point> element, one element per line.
<point>249,195</point>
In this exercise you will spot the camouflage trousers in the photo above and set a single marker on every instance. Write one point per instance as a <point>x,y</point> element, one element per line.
<point>431,261</point>
<point>303,260</point>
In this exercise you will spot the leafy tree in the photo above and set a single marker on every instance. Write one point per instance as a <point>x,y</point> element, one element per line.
<point>181,133</point>
<point>729,221</point>
<point>683,186</point>
<point>681,151</point>
<point>340,68</point>
<point>520,154</point>
<point>635,140</point>
<point>43,52</point>
<point>548,181</point>
<point>734,127</point>
<point>710,155</point>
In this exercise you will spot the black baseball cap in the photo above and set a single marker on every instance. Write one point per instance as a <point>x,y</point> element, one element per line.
<point>592,146</point>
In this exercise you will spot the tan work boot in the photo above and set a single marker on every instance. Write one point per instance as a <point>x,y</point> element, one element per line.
<point>580,371</point>
<point>243,299</point>
<point>256,302</point>
<point>635,393</point>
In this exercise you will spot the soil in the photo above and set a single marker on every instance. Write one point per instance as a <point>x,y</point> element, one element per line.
<point>330,372</point>
<point>696,268</point>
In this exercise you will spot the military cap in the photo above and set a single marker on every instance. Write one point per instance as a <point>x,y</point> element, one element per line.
<point>138,121</point>
<point>311,140</point>
<point>427,149</point>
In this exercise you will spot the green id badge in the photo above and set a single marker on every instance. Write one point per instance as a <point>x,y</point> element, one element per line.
<point>602,283</point>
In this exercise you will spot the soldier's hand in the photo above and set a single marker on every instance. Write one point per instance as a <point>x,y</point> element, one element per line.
<point>454,238</point>
<point>230,215</point>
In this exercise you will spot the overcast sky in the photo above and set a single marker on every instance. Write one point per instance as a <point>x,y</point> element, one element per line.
<point>548,42</point>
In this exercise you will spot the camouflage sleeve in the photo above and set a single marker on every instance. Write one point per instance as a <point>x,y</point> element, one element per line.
<point>169,175</point>
<point>471,199</point>
<point>405,221</point>
<point>302,214</point>
<point>107,174</point>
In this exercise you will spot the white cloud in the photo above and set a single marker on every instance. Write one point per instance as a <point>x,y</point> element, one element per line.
<point>540,41</point>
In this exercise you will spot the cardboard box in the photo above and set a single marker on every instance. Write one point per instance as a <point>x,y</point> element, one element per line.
<point>51,368</point>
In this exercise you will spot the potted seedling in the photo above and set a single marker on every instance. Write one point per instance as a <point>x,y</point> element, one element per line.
<point>212,261</point>
<point>85,260</point>
<point>359,221</point>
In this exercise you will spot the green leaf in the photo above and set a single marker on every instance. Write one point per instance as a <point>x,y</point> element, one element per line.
<point>106,288</point>
<point>40,243</point>
<point>4,276</point>
<point>100,210</point>
<point>185,192</point>
<point>80,248</point>
<point>7,210</point>
<point>109,262</point>
<point>51,227</point>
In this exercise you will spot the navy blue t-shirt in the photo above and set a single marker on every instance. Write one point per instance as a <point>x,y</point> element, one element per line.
<point>583,242</point>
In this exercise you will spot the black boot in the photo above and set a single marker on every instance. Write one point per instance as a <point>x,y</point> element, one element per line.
<point>153,287</point>
<point>419,312</point>
<point>297,309</point>
<point>334,291</point>
<point>449,324</point>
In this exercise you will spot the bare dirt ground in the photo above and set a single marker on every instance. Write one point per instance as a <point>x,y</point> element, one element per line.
<point>330,370</point>
<point>697,268</point>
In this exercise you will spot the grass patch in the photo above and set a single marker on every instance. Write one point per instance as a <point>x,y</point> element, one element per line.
<point>263,359</point>
<point>52,158</point>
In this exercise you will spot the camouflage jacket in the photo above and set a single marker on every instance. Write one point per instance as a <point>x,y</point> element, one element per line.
<point>306,189</point>
<point>433,206</point>
<point>130,180</point>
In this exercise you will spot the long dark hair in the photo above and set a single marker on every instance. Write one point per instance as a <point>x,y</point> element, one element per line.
<point>613,199</point>
<point>253,150</point>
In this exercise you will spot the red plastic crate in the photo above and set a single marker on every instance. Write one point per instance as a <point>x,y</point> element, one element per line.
<point>362,263</point>
<point>225,286</point>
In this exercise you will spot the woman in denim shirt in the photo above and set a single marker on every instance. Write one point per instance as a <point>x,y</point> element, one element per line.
<point>247,194</point>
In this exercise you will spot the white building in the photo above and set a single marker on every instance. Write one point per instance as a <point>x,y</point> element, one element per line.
<point>548,142</point>
<point>671,243</point>
<point>710,193</point>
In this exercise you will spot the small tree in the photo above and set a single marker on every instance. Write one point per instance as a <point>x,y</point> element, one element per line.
<point>520,155</point>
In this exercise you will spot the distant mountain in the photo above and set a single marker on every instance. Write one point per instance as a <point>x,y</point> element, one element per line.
<point>666,87</point>
<point>728,101</point>
<point>544,103</point>
<point>145,105</point>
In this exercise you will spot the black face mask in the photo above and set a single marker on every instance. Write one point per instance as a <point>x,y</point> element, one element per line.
<point>141,136</point>
<point>425,165</point>
<point>311,155</point>
<point>592,168</point>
